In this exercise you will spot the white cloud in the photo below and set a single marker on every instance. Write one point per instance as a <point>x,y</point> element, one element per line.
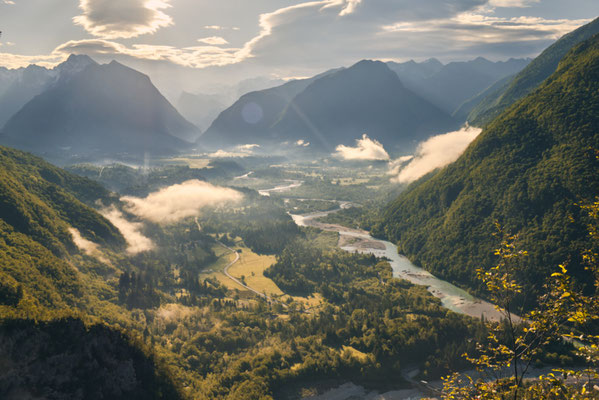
<point>9,60</point>
<point>214,40</point>
<point>396,165</point>
<point>248,147</point>
<point>468,29</point>
<point>228,154</point>
<point>302,143</point>
<point>291,36</point>
<point>436,152</point>
<point>110,19</point>
<point>512,3</point>
<point>88,247</point>
<point>365,149</point>
<point>193,57</point>
<point>179,201</point>
<point>9,2</point>
<point>131,231</point>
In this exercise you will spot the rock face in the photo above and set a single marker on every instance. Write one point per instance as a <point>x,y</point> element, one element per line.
<point>64,359</point>
<point>99,110</point>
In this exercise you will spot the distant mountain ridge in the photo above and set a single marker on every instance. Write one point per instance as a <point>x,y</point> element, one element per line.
<point>18,86</point>
<point>364,98</point>
<point>498,99</point>
<point>331,109</point>
<point>249,119</point>
<point>449,86</point>
<point>104,109</point>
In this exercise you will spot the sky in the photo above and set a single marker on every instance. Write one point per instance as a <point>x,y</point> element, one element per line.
<point>194,44</point>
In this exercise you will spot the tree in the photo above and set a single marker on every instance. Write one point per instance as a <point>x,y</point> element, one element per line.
<point>564,313</point>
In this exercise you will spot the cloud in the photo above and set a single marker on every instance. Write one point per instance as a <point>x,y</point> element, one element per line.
<point>131,231</point>
<point>213,40</point>
<point>228,154</point>
<point>396,165</point>
<point>193,57</point>
<point>512,3</point>
<point>436,152</point>
<point>302,143</point>
<point>365,149</point>
<point>248,147</point>
<point>243,150</point>
<point>111,19</point>
<point>289,39</point>
<point>9,2</point>
<point>88,247</point>
<point>9,60</point>
<point>179,201</point>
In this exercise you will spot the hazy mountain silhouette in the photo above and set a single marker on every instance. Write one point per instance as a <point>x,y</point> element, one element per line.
<point>529,78</point>
<point>365,98</point>
<point>201,109</point>
<point>18,86</point>
<point>103,109</point>
<point>448,86</point>
<point>250,118</point>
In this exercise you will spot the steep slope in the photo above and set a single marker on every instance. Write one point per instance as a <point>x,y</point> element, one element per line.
<point>365,98</point>
<point>249,119</point>
<point>531,76</point>
<point>451,85</point>
<point>105,110</point>
<point>37,209</point>
<point>64,359</point>
<point>526,170</point>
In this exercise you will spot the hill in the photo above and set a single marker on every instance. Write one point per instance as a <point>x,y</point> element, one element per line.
<point>530,77</point>
<point>38,208</point>
<point>526,170</point>
<point>365,98</point>
<point>103,110</point>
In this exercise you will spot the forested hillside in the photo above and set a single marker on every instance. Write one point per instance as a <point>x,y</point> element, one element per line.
<point>528,170</point>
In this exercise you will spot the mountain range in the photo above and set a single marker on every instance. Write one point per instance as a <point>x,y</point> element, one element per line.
<point>98,110</point>
<point>499,97</point>
<point>331,109</point>
<point>449,86</point>
<point>529,170</point>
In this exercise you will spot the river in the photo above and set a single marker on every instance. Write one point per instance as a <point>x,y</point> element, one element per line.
<point>451,296</point>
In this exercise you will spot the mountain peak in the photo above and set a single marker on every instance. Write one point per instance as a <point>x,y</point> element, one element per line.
<point>73,65</point>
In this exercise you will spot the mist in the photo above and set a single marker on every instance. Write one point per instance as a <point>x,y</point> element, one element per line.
<point>366,149</point>
<point>436,152</point>
<point>173,203</point>
<point>131,231</point>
